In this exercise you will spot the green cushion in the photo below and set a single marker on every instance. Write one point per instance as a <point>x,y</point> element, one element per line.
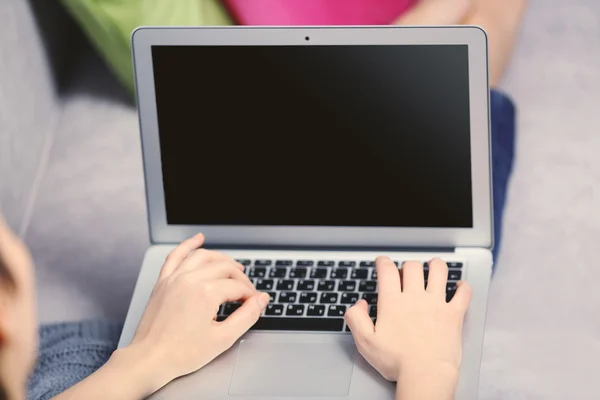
<point>109,24</point>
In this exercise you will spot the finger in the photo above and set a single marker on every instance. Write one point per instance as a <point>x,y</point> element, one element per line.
<point>359,322</point>
<point>222,270</point>
<point>201,257</point>
<point>438,277</point>
<point>462,297</point>
<point>243,318</point>
<point>412,276</point>
<point>388,279</point>
<point>180,253</point>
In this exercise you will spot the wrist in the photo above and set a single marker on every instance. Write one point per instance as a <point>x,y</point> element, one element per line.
<point>443,369</point>
<point>140,369</point>
<point>427,381</point>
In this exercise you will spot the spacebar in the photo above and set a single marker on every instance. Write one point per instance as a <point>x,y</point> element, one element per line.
<point>300,324</point>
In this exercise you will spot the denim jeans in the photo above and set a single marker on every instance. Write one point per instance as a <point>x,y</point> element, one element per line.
<point>503,113</point>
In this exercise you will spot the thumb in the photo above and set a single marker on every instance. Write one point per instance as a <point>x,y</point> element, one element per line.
<point>244,317</point>
<point>359,322</point>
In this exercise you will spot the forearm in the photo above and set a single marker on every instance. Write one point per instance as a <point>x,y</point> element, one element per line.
<point>502,21</point>
<point>427,384</point>
<point>435,12</point>
<point>126,376</point>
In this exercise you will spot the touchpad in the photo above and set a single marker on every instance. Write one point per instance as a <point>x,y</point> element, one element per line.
<point>293,369</point>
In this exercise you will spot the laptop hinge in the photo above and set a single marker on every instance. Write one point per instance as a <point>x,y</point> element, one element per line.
<point>336,248</point>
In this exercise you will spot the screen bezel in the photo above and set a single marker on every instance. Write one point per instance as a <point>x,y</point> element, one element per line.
<point>480,235</point>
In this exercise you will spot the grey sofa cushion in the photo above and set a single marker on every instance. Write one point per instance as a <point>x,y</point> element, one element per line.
<point>88,232</point>
<point>28,110</point>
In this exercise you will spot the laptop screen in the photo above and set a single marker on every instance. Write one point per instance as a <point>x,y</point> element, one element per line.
<point>375,136</point>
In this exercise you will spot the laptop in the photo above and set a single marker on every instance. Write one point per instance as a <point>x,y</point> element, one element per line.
<point>305,153</point>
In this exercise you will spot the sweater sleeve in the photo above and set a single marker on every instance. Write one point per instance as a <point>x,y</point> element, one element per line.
<point>70,352</point>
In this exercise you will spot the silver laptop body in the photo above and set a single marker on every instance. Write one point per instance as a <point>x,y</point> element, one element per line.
<point>324,147</point>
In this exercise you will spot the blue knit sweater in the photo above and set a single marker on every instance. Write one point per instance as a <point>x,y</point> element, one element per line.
<point>69,352</point>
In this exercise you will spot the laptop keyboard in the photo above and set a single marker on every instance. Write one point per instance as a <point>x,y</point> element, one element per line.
<point>313,295</point>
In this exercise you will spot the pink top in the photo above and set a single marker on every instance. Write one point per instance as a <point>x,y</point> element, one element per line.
<point>317,12</point>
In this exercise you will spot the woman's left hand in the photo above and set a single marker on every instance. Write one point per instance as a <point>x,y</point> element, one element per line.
<point>178,333</point>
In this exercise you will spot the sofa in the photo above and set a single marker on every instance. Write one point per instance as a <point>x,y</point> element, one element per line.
<point>71,185</point>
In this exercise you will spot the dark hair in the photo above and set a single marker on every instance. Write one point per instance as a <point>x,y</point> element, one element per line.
<point>6,279</point>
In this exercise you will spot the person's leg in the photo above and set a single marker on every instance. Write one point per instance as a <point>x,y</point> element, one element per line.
<point>503,130</point>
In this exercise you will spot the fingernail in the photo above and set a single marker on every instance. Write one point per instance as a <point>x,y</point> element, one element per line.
<point>263,299</point>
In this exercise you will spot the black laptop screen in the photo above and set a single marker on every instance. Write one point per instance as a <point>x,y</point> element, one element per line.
<point>315,135</point>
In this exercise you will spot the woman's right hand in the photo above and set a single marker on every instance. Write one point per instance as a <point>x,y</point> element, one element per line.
<point>178,333</point>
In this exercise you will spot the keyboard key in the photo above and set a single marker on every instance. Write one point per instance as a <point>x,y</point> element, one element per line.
<point>336,311</point>
<point>450,291</point>
<point>359,274</point>
<point>347,264</point>
<point>325,264</point>
<point>373,311</point>
<point>299,324</point>
<point>287,297</point>
<point>367,263</point>
<point>273,296</point>
<point>244,262</point>
<point>340,273</point>
<point>326,285</point>
<point>264,284</point>
<point>308,297</point>
<point>454,265</point>
<point>295,309</point>
<point>283,263</point>
<point>347,286</point>
<point>278,273</point>
<point>454,275</point>
<point>262,263</point>
<point>230,308</point>
<point>305,263</point>
<point>285,285</point>
<point>367,286</point>
<point>306,285</point>
<point>253,281</point>
<point>349,298</point>
<point>315,310</point>
<point>257,272</point>
<point>426,274</point>
<point>329,298</point>
<point>319,273</point>
<point>374,274</point>
<point>371,298</point>
<point>298,272</point>
<point>274,309</point>
<point>425,265</point>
